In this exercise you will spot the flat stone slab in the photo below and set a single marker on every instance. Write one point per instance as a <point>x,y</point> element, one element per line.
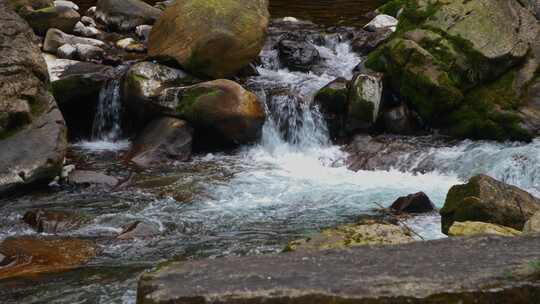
<point>473,270</point>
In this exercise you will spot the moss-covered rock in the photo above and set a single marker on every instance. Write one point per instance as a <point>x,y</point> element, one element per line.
<point>364,102</point>
<point>479,228</point>
<point>333,100</point>
<point>59,17</point>
<point>368,232</point>
<point>484,199</point>
<point>455,63</point>
<point>214,38</point>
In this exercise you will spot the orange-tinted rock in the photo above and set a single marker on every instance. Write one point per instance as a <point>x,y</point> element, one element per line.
<point>33,255</point>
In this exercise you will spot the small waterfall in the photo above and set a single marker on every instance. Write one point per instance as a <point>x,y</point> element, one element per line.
<point>292,121</point>
<point>107,121</point>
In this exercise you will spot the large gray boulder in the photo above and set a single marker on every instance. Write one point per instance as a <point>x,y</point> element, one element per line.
<point>484,199</point>
<point>32,129</point>
<point>59,17</point>
<point>494,270</point>
<point>125,15</point>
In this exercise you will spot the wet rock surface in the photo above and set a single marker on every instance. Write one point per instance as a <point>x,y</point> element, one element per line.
<point>413,203</point>
<point>449,270</point>
<point>35,255</point>
<point>162,142</point>
<point>52,222</point>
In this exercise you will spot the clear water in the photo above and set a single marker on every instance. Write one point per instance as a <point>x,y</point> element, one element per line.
<point>253,201</point>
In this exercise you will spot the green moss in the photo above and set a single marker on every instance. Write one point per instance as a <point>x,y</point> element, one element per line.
<point>191,98</point>
<point>392,7</point>
<point>457,204</point>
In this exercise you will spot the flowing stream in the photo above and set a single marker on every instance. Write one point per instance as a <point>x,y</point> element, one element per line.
<point>253,201</point>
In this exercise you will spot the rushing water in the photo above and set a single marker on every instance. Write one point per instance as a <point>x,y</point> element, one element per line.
<point>252,201</point>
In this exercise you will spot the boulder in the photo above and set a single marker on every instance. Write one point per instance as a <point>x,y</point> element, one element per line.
<point>138,230</point>
<point>23,6</point>
<point>401,120</point>
<point>222,112</point>
<point>163,141</point>
<point>87,52</point>
<point>210,38</point>
<point>85,30</point>
<point>53,222</point>
<point>364,102</point>
<point>56,38</point>
<point>487,200</point>
<point>59,17</point>
<point>533,224</point>
<point>296,53</point>
<point>382,22</point>
<point>365,233</point>
<point>453,270</point>
<point>125,15</point>
<point>144,84</point>
<point>32,129</point>
<point>369,41</point>
<point>333,101</point>
<point>479,228</point>
<point>67,51</point>
<point>37,255</point>
<point>64,3</point>
<point>413,203</point>
<point>458,64</point>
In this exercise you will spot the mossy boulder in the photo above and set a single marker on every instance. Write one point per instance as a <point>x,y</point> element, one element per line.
<point>22,6</point>
<point>479,228</point>
<point>455,63</point>
<point>484,199</point>
<point>59,17</point>
<point>364,102</point>
<point>333,100</point>
<point>215,38</point>
<point>125,15</point>
<point>367,232</point>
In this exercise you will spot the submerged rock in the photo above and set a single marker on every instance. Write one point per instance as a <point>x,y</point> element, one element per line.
<point>138,230</point>
<point>365,233</point>
<point>125,15</point>
<point>52,222</point>
<point>453,270</point>
<point>32,130</point>
<point>478,228</point>
<point>37,255</point>
<point>211,38</point>
<point>163,141</point>
<point>485,199</point>
<point>458,63</point>
<point>413,203</point>
<point>85,177</point>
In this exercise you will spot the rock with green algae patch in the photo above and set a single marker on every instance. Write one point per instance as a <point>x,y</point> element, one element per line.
<point>470,228</point>
<point>484,199</point>
<point>447,54</point>
<point>368,232</point>
<point>211,38</point>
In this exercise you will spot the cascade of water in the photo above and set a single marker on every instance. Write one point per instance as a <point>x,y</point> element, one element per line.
<point>293,123</point>
<point>107,121</point>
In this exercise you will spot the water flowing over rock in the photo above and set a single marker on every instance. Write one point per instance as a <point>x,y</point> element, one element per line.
<point>485,199</point>
<point>32,130</point>
<point>52,222</point>
<point>478,228</point>
<point>163,141</point>
<point>458,64</point>
<point>297,54</point>
<point>211,38</point>
<point>125,15</point>
<point>444,271</point>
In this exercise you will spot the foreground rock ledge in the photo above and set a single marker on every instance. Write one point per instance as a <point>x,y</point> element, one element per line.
<point>473,270</point>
